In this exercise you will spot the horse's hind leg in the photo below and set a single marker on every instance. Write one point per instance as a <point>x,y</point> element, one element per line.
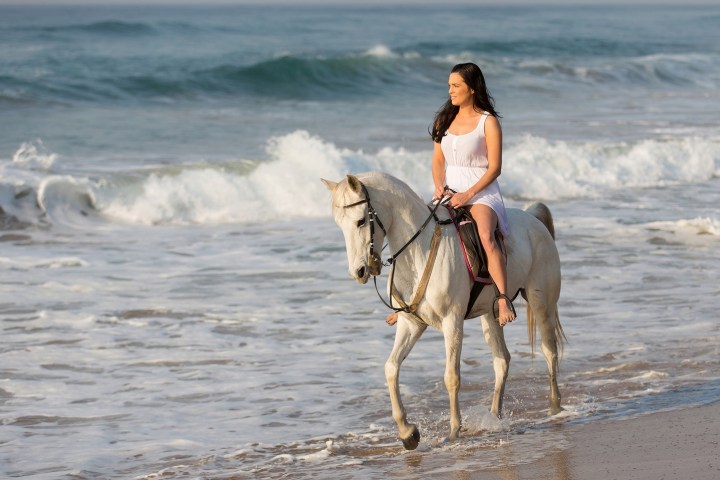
<point>495,339</point>
<point>544,315</point>
<point>407,333</point>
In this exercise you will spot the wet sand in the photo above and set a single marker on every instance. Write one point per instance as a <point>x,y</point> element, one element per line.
<point>681,444</point>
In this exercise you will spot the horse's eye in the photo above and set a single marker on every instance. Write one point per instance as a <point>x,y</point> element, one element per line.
<point>361,222</point>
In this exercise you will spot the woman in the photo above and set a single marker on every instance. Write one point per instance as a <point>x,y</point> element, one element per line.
<point>466,162</point>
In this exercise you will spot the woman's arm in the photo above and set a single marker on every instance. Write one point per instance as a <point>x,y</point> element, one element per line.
<point>438,170</point>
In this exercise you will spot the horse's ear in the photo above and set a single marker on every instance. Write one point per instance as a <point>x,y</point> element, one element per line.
<point>330,185</point>
<point>354,183</point>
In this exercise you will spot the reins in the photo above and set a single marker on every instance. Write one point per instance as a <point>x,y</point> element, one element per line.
<point>375,257</point>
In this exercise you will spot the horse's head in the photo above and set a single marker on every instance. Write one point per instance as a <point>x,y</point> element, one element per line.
<point>363,231</point>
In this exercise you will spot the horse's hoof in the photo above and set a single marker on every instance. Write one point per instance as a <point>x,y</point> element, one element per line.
<point>413,440</point>
<point>555,409</point>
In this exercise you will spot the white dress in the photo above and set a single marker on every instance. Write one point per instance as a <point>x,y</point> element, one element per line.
<point>465,162</point>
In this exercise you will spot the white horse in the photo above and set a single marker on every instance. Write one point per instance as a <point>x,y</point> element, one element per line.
<point>533,268</point>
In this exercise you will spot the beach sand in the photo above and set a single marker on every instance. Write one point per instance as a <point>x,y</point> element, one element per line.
<point>682,444</point>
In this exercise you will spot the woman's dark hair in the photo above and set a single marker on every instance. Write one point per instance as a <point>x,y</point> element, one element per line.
<point>473,77</point>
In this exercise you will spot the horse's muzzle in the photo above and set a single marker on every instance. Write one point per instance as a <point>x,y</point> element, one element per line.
<point>373,267</point>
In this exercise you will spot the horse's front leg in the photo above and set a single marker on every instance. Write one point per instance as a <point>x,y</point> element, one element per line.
<point>453,333</point>
<point>408,332</point>
<point>495,339</point>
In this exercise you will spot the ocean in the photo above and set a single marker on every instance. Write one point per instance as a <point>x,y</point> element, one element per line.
<point>174,295</point>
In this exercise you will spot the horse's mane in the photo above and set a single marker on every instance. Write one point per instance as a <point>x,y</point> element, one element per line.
<point>378,181</point>
<point>390,183</point>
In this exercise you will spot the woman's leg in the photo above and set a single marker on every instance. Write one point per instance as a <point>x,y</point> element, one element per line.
<point>486,221</point>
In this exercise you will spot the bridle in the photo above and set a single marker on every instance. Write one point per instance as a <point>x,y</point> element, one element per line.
<point>375,260</point>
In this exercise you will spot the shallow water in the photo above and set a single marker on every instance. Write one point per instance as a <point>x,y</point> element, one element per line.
<point>226,350</point>
<point>175,300</point>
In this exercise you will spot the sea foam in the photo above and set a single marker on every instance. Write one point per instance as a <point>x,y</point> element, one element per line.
<point>537,168</point>
<point>286,184</point>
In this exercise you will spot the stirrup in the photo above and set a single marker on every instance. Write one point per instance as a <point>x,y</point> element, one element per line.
<point>496,307</point>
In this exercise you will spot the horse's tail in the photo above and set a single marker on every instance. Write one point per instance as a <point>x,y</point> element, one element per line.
<point>541,211</point>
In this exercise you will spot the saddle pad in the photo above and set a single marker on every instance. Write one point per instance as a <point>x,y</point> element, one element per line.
<point>475,256</point>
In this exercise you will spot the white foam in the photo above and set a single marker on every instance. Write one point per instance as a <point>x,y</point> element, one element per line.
<point>697,226</point>
<point>287,184</point>
<point>479,419</point>
<point>27,263</point>
<point>538,168</point>
<point>34,155</point>
<point>381,51</point>
<point>56,286</point>
<point>318,456</point>
<point>66,200</point>
<point>649,375</point>
<point>284,458</point>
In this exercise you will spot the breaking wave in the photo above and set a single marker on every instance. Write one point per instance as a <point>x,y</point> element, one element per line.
<point>287,185</point>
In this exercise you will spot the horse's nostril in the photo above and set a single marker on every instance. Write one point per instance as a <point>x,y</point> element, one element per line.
<point>361,272</point>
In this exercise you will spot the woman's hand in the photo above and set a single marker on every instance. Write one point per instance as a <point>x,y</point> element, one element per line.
<point>439,193</point>
<point>459,199</point>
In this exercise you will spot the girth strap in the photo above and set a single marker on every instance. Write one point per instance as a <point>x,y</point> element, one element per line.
<point>422,286</point>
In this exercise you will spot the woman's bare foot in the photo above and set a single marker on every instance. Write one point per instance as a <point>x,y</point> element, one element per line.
<point>503,310</point>
<point>392,318</point>
<point>506,314</point>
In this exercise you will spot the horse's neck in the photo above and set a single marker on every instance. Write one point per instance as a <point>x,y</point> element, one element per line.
<point>408,215</point>
<point>401,211</point>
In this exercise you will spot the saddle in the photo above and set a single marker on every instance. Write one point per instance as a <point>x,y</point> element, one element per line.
<point>473,251</point>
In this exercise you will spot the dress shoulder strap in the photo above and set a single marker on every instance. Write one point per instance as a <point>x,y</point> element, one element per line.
<point>481,123</point>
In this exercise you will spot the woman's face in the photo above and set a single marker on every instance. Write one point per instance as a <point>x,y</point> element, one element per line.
<point>460,93</point>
